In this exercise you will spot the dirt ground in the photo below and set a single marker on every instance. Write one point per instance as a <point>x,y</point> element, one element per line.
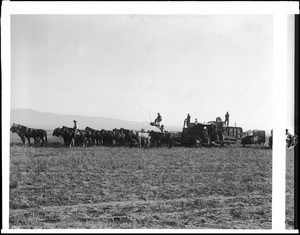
<point>158,188</point>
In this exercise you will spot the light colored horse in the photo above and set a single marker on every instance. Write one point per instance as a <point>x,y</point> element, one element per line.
<point>143,139</point>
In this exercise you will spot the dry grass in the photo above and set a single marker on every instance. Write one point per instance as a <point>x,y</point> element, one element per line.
<point>121,187</point>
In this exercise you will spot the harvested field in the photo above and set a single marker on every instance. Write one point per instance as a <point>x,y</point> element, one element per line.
<point>157,188</point>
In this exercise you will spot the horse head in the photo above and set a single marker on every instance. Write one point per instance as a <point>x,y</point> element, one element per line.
<point>13,128</point>
<point>17,127</point>
<point>89,129</point>
<point>56,132</point>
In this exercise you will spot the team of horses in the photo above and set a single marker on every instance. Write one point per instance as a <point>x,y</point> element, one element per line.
<point>93,137</point>
<point>207,134</point>
<point>27,133</point>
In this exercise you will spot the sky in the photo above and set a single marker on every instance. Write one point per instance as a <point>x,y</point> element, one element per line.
<point>133,66</point>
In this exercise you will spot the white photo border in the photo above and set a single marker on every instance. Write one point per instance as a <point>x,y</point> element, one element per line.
<point>279,10</point>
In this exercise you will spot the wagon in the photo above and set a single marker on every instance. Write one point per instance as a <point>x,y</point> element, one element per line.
<point>256,137</point>
<point>231,134</point>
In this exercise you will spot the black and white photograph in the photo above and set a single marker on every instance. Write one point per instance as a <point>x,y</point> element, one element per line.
<point>128,120</point>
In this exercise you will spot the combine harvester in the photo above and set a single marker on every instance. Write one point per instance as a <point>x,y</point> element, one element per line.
<point>212,133</point>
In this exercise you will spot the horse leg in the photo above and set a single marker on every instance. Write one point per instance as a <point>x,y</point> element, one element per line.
<point>23,140</point>
<point>142,143</point>
<point>65,141</point>
<point>68,142</point>
<point>35,139</point>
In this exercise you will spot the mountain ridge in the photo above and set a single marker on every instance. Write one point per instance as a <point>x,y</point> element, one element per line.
<point>48,120</point>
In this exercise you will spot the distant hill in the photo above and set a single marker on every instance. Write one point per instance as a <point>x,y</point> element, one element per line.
<point>50,121</point>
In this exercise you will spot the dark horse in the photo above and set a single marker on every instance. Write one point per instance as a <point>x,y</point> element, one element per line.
<point>94,137</point>
<point>131,137</point>
<point>66,133</point>
<point>118,136</point>
<point>172,138</point>
<point>26,132</point>
<point>158,137</point>
<point>107,137</point>
<point>39,134</point>
<point>80,138</point>
<point>69,136</point>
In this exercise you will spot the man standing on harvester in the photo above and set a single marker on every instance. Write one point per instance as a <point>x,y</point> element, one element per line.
<point>75,127</point>
<point>227,118</point>
<point>188,120</point>
<point>158,120</point>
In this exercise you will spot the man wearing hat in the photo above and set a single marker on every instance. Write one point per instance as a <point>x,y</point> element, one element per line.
<point>188,120</point>
<point>158,119</point>
<point>162,128</point>
<point>75,126</point>
<point>196,121</point>
<point>227,118</point>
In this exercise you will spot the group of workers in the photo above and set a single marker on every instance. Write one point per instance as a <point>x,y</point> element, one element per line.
<point>187,121</point>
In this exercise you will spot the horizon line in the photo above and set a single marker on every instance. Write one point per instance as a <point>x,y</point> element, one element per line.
<point>174,125</point>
